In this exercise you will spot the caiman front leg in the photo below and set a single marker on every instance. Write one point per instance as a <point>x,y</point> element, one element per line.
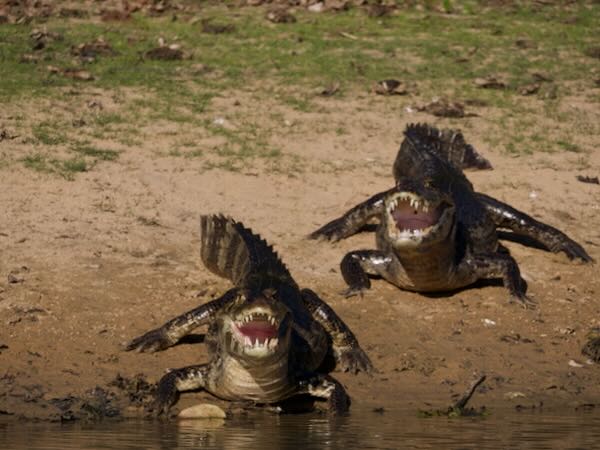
<point>356,267</point>
<point>506,216</point>
<point>495,265</point>
<point>172,331</point>
<point>352,221</point>
<point>176,381</point>
<point>328,388</point>
<point>348,354</point>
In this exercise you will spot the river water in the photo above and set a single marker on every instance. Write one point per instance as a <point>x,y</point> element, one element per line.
<point>361,430</point>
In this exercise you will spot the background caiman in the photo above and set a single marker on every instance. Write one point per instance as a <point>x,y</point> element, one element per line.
<point>435,232</point>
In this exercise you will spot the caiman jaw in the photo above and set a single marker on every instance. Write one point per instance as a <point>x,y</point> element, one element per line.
<point>257,332</point>
<point>413,219</point>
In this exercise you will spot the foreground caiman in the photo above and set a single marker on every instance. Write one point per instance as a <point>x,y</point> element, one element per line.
<point>266,338</point>
<point>435,233</point>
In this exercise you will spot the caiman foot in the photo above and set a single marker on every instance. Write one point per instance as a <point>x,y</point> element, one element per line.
<point>152,341</point>
<point>354,360</point>
<point>167,394</point>
<point>328,388</point>
<point>354,291</point>
<point>331,231</point>
<point>573,250</point>
<point>525,301</point>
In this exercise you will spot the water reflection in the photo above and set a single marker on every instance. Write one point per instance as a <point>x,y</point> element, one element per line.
<point>361,430</point>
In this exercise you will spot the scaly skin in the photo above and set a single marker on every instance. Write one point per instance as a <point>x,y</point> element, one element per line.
<point>266,338</point>
<point>458,232</point>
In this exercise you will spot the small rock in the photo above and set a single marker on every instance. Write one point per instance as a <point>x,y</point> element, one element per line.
<point>514,394</point>
<point>14,278</point>
<point>202,411</point>
<point>317,7</point>
<point>574,363</point>
<point>488,322</point>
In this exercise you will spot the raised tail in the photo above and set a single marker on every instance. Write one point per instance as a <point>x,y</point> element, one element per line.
<point>447,144</point>
<point>232,251</point>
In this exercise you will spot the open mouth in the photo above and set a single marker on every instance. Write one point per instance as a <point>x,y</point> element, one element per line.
<point>258,330</point>
<point>413,215</point>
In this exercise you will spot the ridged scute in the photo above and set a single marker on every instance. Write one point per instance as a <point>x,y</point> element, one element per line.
<point>232,251</point>
<point>449,145</point>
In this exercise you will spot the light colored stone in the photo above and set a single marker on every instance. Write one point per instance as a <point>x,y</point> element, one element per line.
<point>202,411</point>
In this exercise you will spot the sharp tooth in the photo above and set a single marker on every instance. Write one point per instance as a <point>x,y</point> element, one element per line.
<point>247,341</point>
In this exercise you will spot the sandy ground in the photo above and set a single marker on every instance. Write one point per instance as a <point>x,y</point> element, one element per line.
<point>88,264</point>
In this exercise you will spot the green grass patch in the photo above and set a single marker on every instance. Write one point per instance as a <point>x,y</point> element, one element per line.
<point>66,168</point>
<point>348,47</point>
<point>96,153</point>
<point>48,133</point>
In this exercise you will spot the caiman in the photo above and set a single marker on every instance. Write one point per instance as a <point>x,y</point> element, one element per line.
<point>267,338</point>
<point>435,233</point>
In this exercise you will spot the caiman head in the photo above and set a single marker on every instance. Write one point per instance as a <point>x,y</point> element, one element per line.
<point>419,212</point>
<point>255,327</point>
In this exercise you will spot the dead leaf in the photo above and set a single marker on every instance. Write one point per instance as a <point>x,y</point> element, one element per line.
<point>77,74</point>
<point>390,87</point>
<point>53,69</point>
<point>529,89</point>
<point>337,5</point>
<point>93,49</point>
<point>280,15</point>
<point>316,7</point>
<point>525,43</point>
<point>330,90</point>
<point>379,10</point>
<point>30,58</point>
<point>216,28</point>
<point>541,77</point>
<point>164,54</point>
<point>444,108</point>
<point>114,15</point>
<point>592,52</point>
<point>73,13</point>
<point>489,82</point>
<point>5,135</point>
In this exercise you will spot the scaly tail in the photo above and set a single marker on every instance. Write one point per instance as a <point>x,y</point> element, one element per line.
<point>232,251</point>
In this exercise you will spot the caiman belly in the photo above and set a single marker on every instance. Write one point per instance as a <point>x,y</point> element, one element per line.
<point>264,384</point>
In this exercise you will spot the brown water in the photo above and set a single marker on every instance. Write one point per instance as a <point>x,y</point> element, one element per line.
<point>361,430</point>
